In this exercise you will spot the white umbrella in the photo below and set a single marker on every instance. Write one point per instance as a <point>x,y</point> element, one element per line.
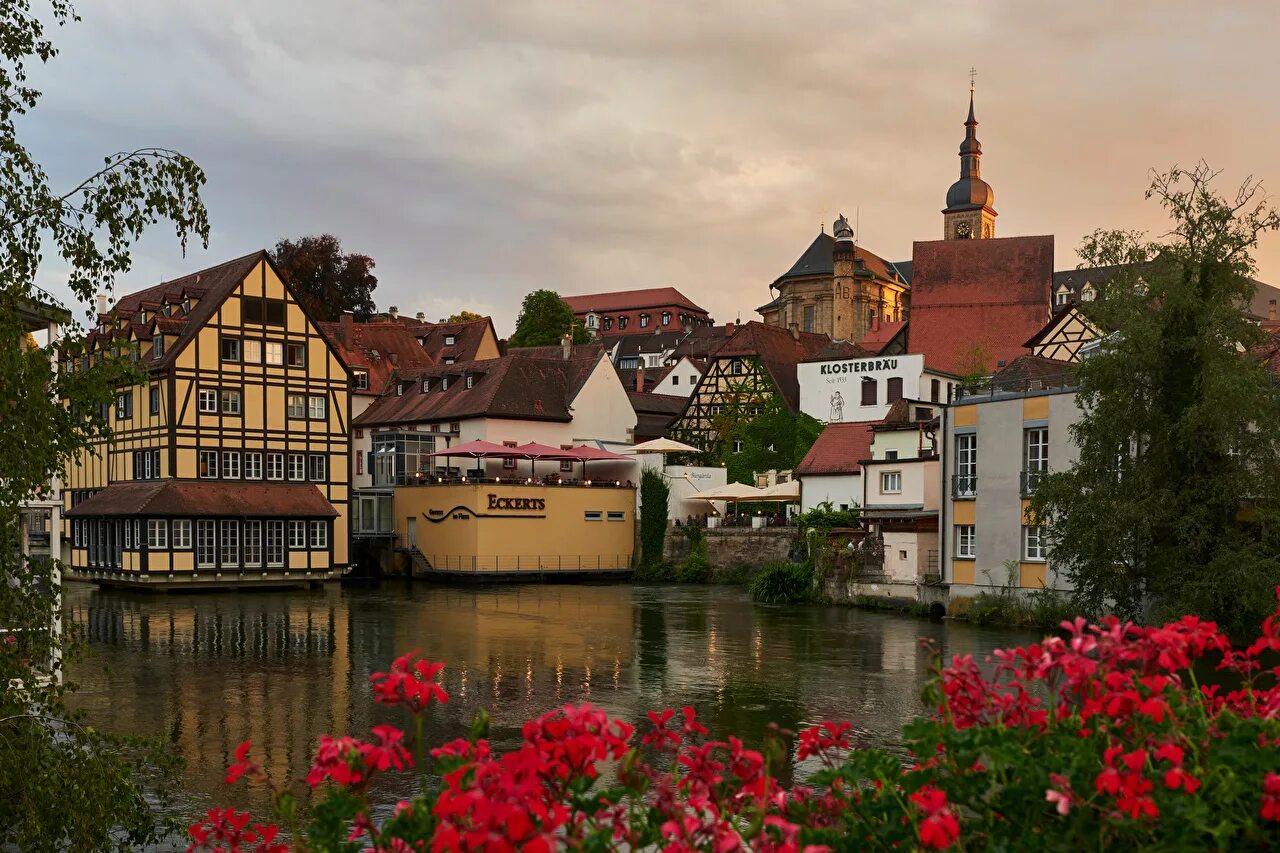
<point>663,445</point>
<point>731,492</point>
<point>784,492</point>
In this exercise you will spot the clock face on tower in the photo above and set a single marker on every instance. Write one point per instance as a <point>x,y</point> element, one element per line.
<point>964,230</point>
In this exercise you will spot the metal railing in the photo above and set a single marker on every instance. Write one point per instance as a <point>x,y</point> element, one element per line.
<point>533,563</point>
<point>964,485</point>
<point>1028,481</point>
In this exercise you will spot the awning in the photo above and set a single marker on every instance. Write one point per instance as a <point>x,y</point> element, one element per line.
<point>201,498</point>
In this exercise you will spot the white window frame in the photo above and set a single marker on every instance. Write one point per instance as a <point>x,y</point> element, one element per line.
<point>232,402</point>
<point>206,543</point>
<point>890,482</point>
<point>296,405</point>
<point>1034,547</point>
<point>297,535</point>
<point>967,461</point>
<point>273,543</point>
<point>275,465</point>
<point>253,465</point>
<point>298,467</point>
<point>210,457</point>
<point>157,534</point>
<point>231,464</point>
<point>251,351</point>
<point>450,340</point>
<point>229,543</point>
<point>966,541</point>
<point>319,535</point>
<point>207,401</point>
<point>317,407</point>
<point>253,543</point>
<point>292,347</point>
<point>273,353</point>
<point>181,534</point>
<point>323,472</point>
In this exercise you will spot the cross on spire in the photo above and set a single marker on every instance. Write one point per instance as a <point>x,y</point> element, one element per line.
<point>973,76</point>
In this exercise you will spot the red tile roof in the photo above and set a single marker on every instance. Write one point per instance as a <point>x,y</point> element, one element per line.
<point>1032,373</point>
<point>876,339</point>
<point>378,348</point>
<point>517,386</point>
<point>206,498</point>
<point>974,302</point>
<point>838,450</point>
<point>839,350</point>
<point>655,413</point>
<point>626,300</point>
<point>779,352</point>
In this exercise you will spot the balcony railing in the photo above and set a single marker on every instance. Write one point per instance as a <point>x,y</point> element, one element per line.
<point>964,485</point>
<point>1028,481</point>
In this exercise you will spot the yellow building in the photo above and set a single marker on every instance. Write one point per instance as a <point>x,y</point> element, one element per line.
<point>229,465</point>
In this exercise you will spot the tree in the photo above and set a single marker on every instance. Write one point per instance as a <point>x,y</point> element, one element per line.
<point>64,785</point>
<point>544,319</point>
<point>1173,503</point>
<point>774,439</point>
<point>327,281</point>
<point>464,317</point>
<point>654,499</point>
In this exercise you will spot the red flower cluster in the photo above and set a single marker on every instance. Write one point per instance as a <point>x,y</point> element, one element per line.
<point>350,762</point>
<point>410,682</point>
<point>229,830</point>
<point>939,828</point>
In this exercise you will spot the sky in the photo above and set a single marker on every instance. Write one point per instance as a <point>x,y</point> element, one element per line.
<point>478,150</point>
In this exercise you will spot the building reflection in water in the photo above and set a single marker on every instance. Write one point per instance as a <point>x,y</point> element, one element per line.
<point>206,671</point>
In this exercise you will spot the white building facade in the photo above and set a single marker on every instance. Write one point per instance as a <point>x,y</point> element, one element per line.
<point>859,390</point>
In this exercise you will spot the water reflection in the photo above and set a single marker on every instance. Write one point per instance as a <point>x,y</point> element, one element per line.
<point>207,671</point>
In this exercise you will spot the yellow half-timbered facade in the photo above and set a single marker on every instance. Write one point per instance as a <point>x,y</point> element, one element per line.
<point>229,466</point>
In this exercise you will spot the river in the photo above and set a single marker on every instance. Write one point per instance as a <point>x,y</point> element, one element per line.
<point>205,671</point>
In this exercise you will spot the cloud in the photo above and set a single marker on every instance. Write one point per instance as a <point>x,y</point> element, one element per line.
<point>479,150</point>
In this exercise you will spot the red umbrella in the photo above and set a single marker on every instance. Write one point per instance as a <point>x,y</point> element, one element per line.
<point>585,452</point>
<point>478,449</point>
<point>533,451</point>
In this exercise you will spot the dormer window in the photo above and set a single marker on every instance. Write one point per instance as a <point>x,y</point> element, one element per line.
<point>622,322</point>
<point>186,305</point>
<point>450,340</point>
<point>1140,288</point>
<point>449,359</point>
<point>608,323</point>
<point>399,389</point>
<point>1062,296</point>
<point>471,381</point>
<point>426,385</point>
<point>157,348</point>
<point>1087,293</point>
<point>444,383</point>
<point>422,342</point>
<point>360,380</point>
<point>644,320</point>
<point>666,318</point>
<point>592,321</point>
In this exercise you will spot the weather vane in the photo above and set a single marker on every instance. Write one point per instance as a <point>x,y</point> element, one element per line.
<point>973,76</point>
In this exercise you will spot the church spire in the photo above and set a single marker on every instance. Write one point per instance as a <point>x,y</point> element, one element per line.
<point>970,210</point>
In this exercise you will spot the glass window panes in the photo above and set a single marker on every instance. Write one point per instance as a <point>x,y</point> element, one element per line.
<point>297,466</point>
<point>230,543</point>
<point>966,464</point>
<point>891,482</point>
<point>208,398</point>
<point>208,464</point>
<point>397,457</point>
<point>1035,449</point>
<point>317,467</point>
<point>252,351</point>
<point>230,401</point>
<point>316,407</point>
<point>965,540</point>
<point>253,543</point>
<point>274,352</point>
<point>155,400</point>
<point>275,466</point>
<point>1033,544</point>
<point>253,465</point>
<point>206,543</point>
<point>296,355</point>
<point>297,406</point>
<point>275,543</point>
<point>231,464</point>
<point>319,534</point>
<point>157,534</point>
<point>230,349</point>
<point>182,533</point>
<point>297,535</point>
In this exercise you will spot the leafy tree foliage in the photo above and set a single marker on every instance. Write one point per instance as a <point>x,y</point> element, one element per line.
<point>465,317</point>
<point>770,439</point>
<point>1172,505</point>
<point>327,280</point>
<point>654,499</point>
<point>63,785</point>
<point>544,319</point>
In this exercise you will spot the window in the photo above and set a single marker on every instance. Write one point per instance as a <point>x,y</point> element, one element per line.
<point>966,481</point>
<point>509,462</point>
<point>675,380</point>
<point>208,464</point>
<point>157,348</point>
<point>316,407</point>
<point>964,541</point>
<point>893,391</point>
<point>146,464</point>
<point>890,482</point>
<point>157,534</point>
<point>297,535</point>
<point>444,383</point>
<point>297,466</point>
<point>275,466</point>
<point>208,400</point>
<point>471,381</point>
<point>617,516</point>
<point>644,320</point>
<point>1033,544</point>
<point>1087,293</point>
<point>359,461</point>
<point>868,391</point>
<point>808,318</point>
<point>297,406</point>
<point>230,543</point>
<point>608,323</point>
<point>230,349</point>
<point>1061,297</point>
<point>891,455</point>
<point>297,355</point>
<point>450,340</point>
<point>399,389</point>
<point>593,516</point>
<point>252,351</point>
<point>128,536</point>
<point>360,380</point>
<point>155,400</point>
<point>426,385</point>
<point>230,401</point>
<point>206,554</point>
<point>262,311</point>
<point>693,379</point>
<point>935,390</point>
<point>275,353</point>
<point>253,465</point>
<point>622,321</point>
<point>666,318</point>
<point>448,359</point>
<point>231,464</point>
<point>124,405</point>
<point>181,533</point>
<point>253,543</point>
<point>319,534</point>
<point>317,467</point>
<point>275,543</point>
<point>737,445</point>
<point>1035,457</point>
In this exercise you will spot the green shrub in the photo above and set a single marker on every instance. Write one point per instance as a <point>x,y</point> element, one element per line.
<point>654,493</point>
<point>782,583</point>
<point>696,568</point>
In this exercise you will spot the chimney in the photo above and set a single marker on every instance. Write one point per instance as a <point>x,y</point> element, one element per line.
<point>344,327</point>
<point>640,379</point>
<point>393,312</point>
<point>102,303</point>
<point>566,346</point>
<point>875,322</point>
<point>1271,310</point>
<point>728,330</point>
<point>420,317</point>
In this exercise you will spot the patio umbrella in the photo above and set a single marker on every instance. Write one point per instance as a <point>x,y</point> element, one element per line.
<point>782,492</point>
<point>477,449</point>
<point>732,492</point>
<point>663,445</point>
<point>585,453</point>
<point>533,451</point>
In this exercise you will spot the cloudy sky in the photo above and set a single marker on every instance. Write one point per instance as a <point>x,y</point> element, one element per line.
<point>478,150</point>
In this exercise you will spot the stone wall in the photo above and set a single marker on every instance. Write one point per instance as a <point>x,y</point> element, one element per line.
<point>731,548</point>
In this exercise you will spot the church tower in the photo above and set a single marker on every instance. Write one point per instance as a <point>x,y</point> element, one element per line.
<point>969,213</point>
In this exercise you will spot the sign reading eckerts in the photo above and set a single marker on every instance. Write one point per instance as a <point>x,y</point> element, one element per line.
<point>496,502</point>
<point>832,391</point>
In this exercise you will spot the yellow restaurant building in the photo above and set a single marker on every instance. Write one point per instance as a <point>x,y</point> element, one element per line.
<point>229,466</point>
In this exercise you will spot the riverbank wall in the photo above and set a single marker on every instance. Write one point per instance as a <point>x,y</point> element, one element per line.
<point>732,550</point>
